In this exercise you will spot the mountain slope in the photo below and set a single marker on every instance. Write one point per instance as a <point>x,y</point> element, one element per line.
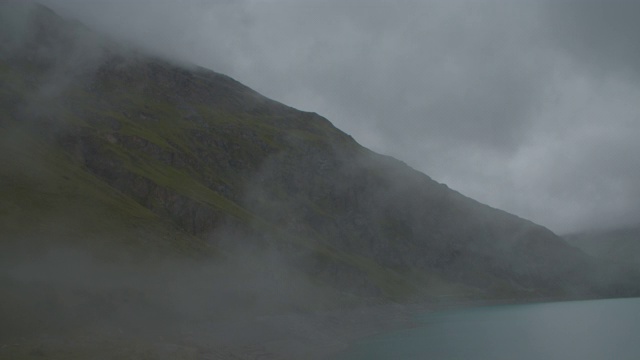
<point>135,143</point>
<point>618,245</point>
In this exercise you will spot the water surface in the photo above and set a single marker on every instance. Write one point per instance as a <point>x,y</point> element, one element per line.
<point>575,330</point>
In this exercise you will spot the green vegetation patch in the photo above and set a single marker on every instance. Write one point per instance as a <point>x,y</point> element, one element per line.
<point>48,199</point>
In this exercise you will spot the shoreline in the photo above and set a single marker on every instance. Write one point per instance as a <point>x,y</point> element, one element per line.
<point>290,336</point>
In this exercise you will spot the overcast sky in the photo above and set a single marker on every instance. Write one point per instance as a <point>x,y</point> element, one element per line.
<point>529,106</point>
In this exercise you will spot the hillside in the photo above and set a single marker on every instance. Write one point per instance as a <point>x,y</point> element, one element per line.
<point>159,193</point>
<point>618,245</point>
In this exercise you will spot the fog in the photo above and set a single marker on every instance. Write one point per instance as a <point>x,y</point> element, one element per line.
<point>530,107</point>
<point>493,99</point>
<point>75,278</point>
<point>66,300</point>
<point>76,290</point>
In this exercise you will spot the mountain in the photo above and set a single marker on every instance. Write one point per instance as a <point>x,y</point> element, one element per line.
<point>159,192</point>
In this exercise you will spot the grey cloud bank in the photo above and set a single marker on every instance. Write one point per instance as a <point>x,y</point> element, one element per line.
<point>532,107</point>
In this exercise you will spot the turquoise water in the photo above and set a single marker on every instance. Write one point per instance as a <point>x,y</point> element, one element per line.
<point>576,330</point>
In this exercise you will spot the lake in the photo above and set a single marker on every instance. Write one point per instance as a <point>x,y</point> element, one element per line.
<point>573,330</point>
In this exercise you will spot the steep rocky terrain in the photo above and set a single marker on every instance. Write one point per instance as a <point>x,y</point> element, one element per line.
<point>134,159</point>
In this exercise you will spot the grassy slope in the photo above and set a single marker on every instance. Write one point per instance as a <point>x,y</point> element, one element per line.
<point>64,203</point>
<point>49,199</point>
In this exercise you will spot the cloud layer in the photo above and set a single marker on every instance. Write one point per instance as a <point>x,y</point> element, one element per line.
<point>532,107</point>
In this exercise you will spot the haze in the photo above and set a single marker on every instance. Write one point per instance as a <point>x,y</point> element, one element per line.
<point>529,106</point>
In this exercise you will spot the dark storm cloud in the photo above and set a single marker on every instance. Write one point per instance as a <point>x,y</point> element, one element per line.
<point>527,106</point>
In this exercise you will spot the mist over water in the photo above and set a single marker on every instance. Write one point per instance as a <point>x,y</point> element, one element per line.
<point>575,330</point>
